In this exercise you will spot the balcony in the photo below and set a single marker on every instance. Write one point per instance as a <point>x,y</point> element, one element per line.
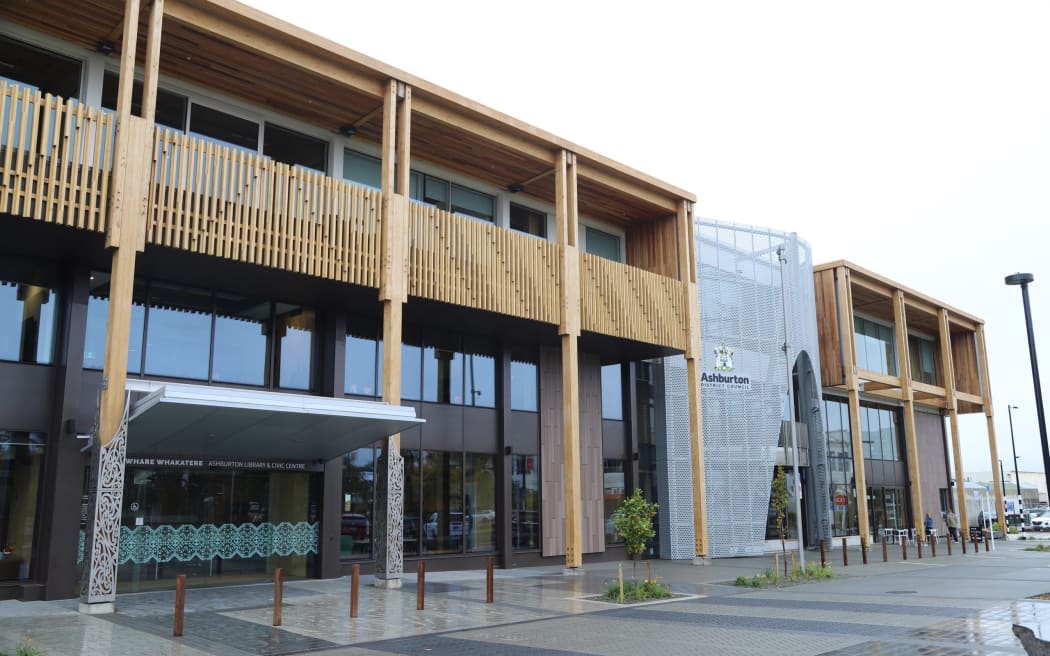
<point>211,199</point>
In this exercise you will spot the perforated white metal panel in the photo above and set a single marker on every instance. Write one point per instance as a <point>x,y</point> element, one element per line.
<point>742,328</point>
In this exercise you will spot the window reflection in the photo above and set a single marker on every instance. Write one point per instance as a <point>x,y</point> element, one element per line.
<point>443,370</point>
<point>411,365</point>
<point>612,392</point>
<point>524,381</point>
<point>21,461</point>
<point>613,492</point>
<point>525,501</point>
<point>411,525</point>
<point>27,323</point>
<point>295,346</point>
<point>98,317</point>
<point>178,331</point>
<point>358,496</point>
<point>441,475</point>
<point>480,374</point>
<point>241,339</point>
<point>480,502</point>
<point>363,357</point>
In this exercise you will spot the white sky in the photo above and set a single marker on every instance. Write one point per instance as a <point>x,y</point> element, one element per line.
<point>912,138</point>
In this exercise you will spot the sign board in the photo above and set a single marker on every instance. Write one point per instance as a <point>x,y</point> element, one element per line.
<point>226,463</point>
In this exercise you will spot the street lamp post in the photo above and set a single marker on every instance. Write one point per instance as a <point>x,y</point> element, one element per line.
<point>1002,476</point>
<point>1013,446</point>
<point>782,256</point>
<point>1023,279</point>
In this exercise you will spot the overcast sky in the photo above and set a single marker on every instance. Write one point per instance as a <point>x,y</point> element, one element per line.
<point>912,138</point>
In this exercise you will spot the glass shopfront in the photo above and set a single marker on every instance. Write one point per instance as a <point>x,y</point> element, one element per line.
<point>217,526</point>
<point>21,462</point>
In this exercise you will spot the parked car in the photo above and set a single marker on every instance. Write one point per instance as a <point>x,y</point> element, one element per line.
<point>1041,522</point>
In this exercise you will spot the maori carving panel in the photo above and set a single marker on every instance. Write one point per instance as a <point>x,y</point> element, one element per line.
<point>390,515</point>
<point>100,580</point>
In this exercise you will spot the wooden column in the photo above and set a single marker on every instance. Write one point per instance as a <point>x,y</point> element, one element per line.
<point>849,352</point>
<point>393,292</point>
<point>569,331</point>
<point>693,353</point>
<point>900,322</point>
<point>989,413</point>
<point>951,407</point>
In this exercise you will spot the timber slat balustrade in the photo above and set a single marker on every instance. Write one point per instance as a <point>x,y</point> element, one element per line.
<point>626,301</point>
<point>55,157</point>
<point>226,202</point>
<point>459,260</point>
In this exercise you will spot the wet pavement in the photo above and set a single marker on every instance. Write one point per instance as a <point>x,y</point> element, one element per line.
<point>944,606</point>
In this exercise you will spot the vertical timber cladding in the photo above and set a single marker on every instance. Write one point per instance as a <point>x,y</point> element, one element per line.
<point>933,463</point>
<point>831,372</point>
<point>552,493</point>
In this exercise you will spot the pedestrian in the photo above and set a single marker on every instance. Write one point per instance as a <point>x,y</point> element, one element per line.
<point>928,525</point>
<point>953,525</point>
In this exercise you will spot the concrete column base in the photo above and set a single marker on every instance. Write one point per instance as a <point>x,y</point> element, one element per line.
<point>103,608</point>
<point>702,560</point>
<point>572,571</point>
<point>388,584</point>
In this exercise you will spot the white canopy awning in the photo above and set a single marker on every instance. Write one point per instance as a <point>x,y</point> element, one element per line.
<point>179,419</point>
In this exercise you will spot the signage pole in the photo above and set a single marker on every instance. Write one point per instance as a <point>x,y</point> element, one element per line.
<point>782,256</point>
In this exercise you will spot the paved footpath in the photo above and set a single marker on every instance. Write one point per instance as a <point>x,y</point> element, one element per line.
<point>945,606</point>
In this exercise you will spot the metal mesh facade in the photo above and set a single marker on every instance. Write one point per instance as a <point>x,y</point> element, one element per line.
<point>745,399</point>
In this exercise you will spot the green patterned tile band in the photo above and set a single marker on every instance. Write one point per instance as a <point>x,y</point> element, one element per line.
<point>143,544</point>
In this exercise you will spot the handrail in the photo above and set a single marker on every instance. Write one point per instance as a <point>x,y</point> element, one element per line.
<point>55,157</point>
<point>468,262</point>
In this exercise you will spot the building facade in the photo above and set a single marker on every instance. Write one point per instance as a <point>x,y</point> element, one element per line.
<point>898,367</point>
<point>212,227</point>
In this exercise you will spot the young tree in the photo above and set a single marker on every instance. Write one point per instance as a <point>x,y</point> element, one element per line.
<point>778,501</point>
<point>634,523</point>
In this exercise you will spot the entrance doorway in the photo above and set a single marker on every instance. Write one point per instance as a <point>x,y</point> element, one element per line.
<point>215,526</point>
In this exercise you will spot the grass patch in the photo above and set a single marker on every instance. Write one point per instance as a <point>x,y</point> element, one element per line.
<point>646,590</point>
<point>812,572</point>
<point>1038,547</point>
<point>24,649</point>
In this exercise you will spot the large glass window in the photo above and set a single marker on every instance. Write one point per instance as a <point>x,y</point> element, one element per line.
<point>364,357</point>
<point>923,361</point>
<point>525,501</point>
<point>362,169</point>
<point>443,370</point>
<point>881,436</point>
<point>225,128</point>
<point>612,392</point>
<point>21,464</point>
<point>603,244</point>
<point>527,220</point>
<point>292,147</point>
<point>452,197</point>
<point>27,322</point>
<point>171,107</point>
<point>295,346</point>
<point>841,485</point>
<point>411,365</point>
<point>480,502</point>
<point>178,331</point>
<point>480,375</point>
<point>42,69</point>
<point>442,492</point>
<point>876,349</point>
<point>411,526</point>
<point>98,317</point>
<point>241,339</point>
<point>358,498</point>
<point>524,380</point>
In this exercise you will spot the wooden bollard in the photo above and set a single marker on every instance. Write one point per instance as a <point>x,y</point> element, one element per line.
<point>863,550</point>
<point>278,595</point>
<point>918,545</point>
<point>489,588</point>
<point>845,554</point>
<point>180,604</point>
<point>885,556</point>
<point>962,541</point>
<point>933,546</point>
<point>823,555</point>
<point>948,541</point>
<point>976,548</point>
<point>421,582</point>
<point>904,548</point>
<point>355,581</point>
<point>986,547</point>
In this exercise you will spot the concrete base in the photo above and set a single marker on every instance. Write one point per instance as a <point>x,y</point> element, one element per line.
<point>702,560</point>
<point>572,571</point>
<point>388,584</point>
<point>103,608</point>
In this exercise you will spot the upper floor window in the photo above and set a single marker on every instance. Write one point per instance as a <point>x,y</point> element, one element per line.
<point>603,244</point>
<point>452,197</point>
<point>923,360</point>
<point>224,128</point>
<point>612,392</point>
<point>524,380</point>
<point>880,434</point>
<point>362,169</point>
<point>876,347</point>
<point>44,70</point>
<point>527,220</point>
<point>27,323</point>
<point>171,107</point>
<point>292,147</point>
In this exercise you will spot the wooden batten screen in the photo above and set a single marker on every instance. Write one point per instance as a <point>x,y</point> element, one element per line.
<point>653,246</point>
<point>624,301</point>
<point>458,260</point>
<point>831,363</point>
<point>55,157</point>
<point>966,367</point>
<point>226,202</point>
